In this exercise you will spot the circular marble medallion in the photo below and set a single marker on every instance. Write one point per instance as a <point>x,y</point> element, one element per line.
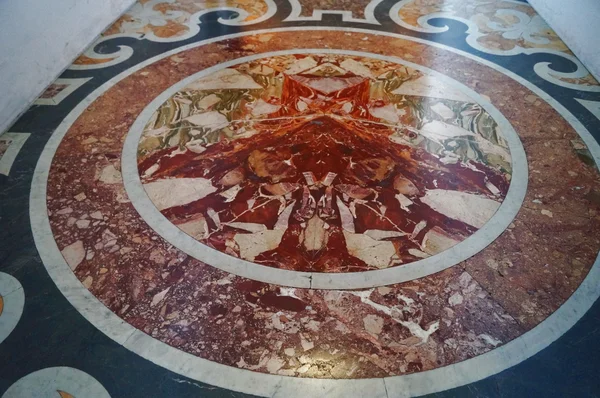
<point>135,274</point>
<point>371,169</point>
<point>324,162</point>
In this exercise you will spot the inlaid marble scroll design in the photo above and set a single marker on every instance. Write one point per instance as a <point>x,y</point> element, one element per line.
<point>504,27</point>
<point>324,163</point>
<point>167,21</point>
<point>368,11</point>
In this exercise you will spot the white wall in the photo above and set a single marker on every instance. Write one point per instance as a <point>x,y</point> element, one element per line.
<point>39,39</point>
<point>577,22</point>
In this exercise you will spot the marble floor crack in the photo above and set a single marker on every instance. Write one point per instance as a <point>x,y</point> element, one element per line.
<point>182,381</point>
<point>493,298</point>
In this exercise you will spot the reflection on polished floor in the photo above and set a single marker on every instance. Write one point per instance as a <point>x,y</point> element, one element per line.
<point>299,198</point>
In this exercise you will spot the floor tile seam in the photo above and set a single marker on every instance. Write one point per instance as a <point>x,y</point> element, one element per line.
<point>494,299</point>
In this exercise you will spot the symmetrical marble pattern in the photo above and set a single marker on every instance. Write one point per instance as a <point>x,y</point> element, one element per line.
<point>445,318</point>
<point>352,161</point>
<point>505,27</point>
<point>324,163</point>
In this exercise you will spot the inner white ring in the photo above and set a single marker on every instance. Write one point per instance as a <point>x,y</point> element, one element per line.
<point>317,280</point>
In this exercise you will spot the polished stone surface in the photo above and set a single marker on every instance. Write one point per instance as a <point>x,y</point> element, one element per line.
<point>324,163</point>
<point>224,207</point>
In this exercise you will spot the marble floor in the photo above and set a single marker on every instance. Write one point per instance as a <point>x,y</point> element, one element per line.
<point>293,198</point>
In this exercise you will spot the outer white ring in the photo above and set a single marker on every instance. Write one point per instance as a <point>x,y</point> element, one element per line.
<point>319,280</point>
<point>249,382</point>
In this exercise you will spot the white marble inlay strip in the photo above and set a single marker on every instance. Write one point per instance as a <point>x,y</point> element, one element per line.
<point>592,106</point>
<point>17,140</point>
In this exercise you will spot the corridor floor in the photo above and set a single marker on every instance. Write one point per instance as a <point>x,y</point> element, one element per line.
<point>291,198</point>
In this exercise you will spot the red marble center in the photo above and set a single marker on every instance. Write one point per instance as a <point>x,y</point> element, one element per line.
<point>324,163</point>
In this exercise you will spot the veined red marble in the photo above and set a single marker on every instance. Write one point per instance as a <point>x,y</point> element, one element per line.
<point>326,163</point>
<point>447,317</point>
